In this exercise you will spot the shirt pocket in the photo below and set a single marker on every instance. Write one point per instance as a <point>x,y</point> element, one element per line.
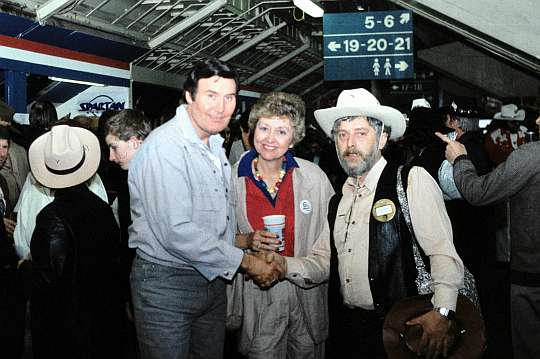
<point>209,197</point>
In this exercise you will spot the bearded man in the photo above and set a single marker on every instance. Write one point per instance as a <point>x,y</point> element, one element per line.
<point>373,264</point>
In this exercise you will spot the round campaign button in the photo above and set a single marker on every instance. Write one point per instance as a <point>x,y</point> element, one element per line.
<point>305,206</point>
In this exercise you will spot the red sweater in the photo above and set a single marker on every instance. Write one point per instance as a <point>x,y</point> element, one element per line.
<point>258,206</point>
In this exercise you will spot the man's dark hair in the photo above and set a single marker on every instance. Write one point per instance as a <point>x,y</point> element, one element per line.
<point>127,123</point>
<point>244,121</point>
<point>42,114</point>
<point>207,69</point>
<point>4,133</point>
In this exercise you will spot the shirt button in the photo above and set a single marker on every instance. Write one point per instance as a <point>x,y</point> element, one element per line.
<point>371,279</point>
<point>353,222</point>
<point>226,273</point>
<point>227,218</point>
<point>350,250</point>
<point>215,189</point>
<point>347,280</point>
<point>214,171</point>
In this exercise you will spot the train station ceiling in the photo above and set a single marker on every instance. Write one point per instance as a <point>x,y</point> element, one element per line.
<point>274,45</point>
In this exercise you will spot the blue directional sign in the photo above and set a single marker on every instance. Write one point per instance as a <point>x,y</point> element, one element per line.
<point>374,45</point>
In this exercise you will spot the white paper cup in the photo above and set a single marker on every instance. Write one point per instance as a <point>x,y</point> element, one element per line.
<point>276,224</point>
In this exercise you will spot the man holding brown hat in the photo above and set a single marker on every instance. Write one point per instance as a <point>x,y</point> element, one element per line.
<point>373,261</point>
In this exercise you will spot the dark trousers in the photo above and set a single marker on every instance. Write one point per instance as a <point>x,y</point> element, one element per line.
<point>525,317</point>
<point>14,294</point>
<point>355,333</point>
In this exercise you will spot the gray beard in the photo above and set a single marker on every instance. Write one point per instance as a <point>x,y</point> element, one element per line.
<point>363,166</point>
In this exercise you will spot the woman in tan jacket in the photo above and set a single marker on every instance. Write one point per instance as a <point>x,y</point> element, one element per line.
<point>290,319</point>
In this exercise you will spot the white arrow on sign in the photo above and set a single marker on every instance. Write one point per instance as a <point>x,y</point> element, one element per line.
<point>395,87</point>
<point>405,18</point>
<point>401,66</point>
<point>333,46</point>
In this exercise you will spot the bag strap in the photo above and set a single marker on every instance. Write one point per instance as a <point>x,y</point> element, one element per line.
<point>423,280</point>
<point>403,202</point>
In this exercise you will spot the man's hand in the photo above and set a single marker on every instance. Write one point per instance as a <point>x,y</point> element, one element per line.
<point>258,240</point>
<point>437,336</point>
<point>453,148</point>
<point>10,225</point>
<point>262,272</point>
<point>270,257</point>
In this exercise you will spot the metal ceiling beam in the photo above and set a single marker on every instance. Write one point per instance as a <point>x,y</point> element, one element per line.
<point>232,63</point>
<point>299,76</point>
<point>252,42</point>
<point>312,87</point>
<point>50,8</point>
<point>276,64</point>
<point>188,22</point>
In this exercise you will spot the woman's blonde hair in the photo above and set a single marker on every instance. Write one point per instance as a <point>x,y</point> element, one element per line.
<point>281,104</point>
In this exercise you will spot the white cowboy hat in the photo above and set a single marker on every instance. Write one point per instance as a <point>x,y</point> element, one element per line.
<point>65,156</point>
<point>420,102</point>
<point>360,102</point>
<point>510,112</point>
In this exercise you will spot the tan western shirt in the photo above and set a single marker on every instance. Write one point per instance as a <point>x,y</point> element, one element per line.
<point>431,226</point>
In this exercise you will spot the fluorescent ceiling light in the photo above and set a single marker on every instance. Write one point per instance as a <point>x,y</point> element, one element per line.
<point>309,7</point>
<point>150,2</point>
<point>168,7</point>
<point>59,79</point>
<point>50,8</point>
<point>186,23</point>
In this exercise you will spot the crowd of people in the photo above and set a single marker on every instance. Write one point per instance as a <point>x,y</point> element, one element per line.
<point>167,253</point>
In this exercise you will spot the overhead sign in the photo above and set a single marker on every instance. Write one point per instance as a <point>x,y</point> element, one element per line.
<point>375,45</point>
<point>413,86</point>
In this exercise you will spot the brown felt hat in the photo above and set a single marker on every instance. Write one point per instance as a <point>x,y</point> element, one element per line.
<point>6,111</point>
<point>401,340</point>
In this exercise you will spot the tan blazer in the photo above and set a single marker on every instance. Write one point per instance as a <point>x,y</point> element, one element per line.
<point>312,192</point>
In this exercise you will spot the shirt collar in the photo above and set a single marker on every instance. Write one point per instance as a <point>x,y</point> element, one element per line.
<point>372,177</point>
<point>244,167</point>
<point>215,142</point>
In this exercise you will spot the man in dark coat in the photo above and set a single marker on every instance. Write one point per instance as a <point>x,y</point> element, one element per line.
<point>76,302</point>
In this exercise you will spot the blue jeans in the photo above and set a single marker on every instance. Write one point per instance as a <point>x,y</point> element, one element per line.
<point>178,313</point>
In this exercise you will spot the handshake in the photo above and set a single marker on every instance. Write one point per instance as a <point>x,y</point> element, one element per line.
<point>263,265</point>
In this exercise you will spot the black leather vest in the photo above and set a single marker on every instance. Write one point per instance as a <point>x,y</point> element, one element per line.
<point>391,266</point>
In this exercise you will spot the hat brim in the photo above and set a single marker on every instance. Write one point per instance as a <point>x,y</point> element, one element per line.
<point>471,343</point>
<point>389,116</point>
<point>36,159</point>
<point>520,116</point>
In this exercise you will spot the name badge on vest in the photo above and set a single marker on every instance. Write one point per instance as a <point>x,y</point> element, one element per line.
<point>384,210</point>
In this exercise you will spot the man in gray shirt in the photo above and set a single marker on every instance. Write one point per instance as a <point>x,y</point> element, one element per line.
<point>518,180</point>
<point>184,226</point>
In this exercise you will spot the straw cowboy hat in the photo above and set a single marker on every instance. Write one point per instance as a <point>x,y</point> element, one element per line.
<point>510,112</point>
<point>360,102</point>
<point>401,341</point>
<point>65,156</point>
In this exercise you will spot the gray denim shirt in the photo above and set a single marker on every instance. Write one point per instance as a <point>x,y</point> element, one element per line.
<point>180,201</point>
